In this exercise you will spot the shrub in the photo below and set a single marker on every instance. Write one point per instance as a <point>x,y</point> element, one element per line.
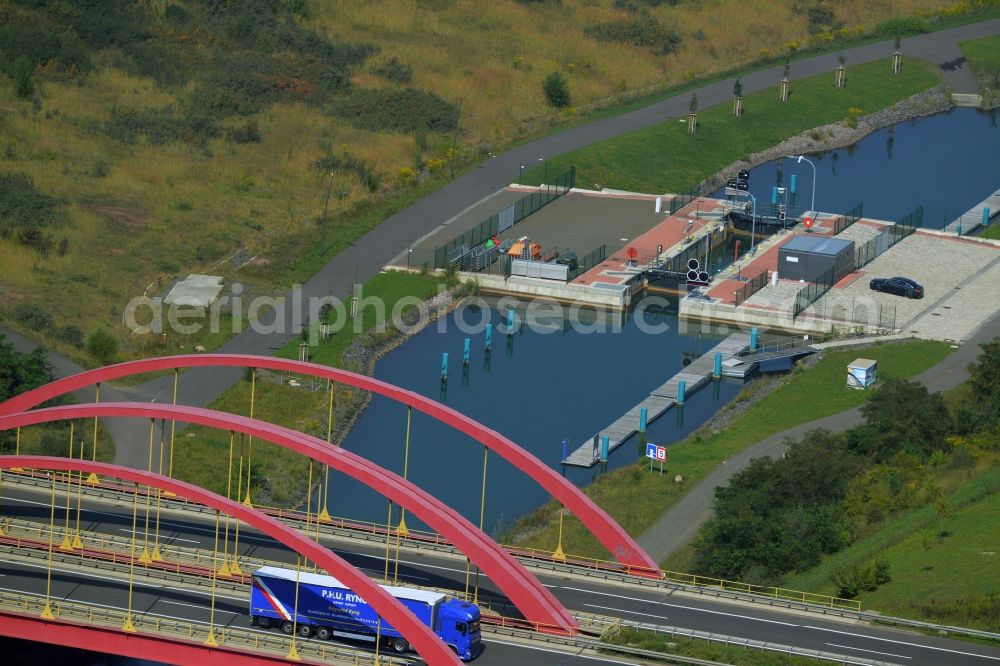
<point>556,90</point>
<point>406,110</point>
<point>24,207</point>
<point>102,345</point>
<point>644,31</point>
<point>395,71</point>
<point>901,25</point>
<point>39,44</point>
<point>248,132</point>
<point>24,83</point>
<point>345,162</point>
<point>159,126</point>
<point>32,316</point>
<point>71,334</point>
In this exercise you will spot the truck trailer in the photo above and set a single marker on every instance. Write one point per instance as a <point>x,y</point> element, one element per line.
<point>327,608</point>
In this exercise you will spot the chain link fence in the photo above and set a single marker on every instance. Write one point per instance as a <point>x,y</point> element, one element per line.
<point>752,286</point>
<point>455,250</point>
<point>848,218</point>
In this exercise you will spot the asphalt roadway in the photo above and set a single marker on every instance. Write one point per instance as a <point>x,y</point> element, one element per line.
<point>367,256</point>
<point>429,569</point>
<point>679,525</point>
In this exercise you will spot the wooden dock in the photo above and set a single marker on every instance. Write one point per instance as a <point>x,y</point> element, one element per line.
<point>695,375</point>
<point>973,219</point>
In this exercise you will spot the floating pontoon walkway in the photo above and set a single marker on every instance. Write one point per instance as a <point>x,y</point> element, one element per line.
<point>659,400</point>
<point>977,216</point>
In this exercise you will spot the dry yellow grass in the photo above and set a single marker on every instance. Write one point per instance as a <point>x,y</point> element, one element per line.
<point>158,212</point>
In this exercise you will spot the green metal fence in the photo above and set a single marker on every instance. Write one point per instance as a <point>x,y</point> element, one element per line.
<point>848,218</point>
<point>589,261</point>
<point>812,292</point>
<point>752,286</point>
<point>897,232</point>
<point>682,200</point>
<point>454,250</point>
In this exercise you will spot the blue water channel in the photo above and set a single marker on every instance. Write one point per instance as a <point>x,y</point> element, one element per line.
<point>945,162</point>
<point>567,384</point>
<point>541,385</point>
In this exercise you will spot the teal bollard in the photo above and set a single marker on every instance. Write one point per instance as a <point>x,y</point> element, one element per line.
<point>643,416</point>
<point>681,385</point>
<point>753,339</point>
<point>717,371</point>
<point>444,366</point>
<point>467,352</point>
<point>604,448</point>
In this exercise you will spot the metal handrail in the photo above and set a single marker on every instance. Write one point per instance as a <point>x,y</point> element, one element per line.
<point>233,637</point>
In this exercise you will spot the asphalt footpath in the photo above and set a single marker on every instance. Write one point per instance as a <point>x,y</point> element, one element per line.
<point>680,523</point>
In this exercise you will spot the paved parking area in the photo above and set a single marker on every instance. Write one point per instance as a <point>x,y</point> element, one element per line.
<point>580,221</point>
<point>958,276</point>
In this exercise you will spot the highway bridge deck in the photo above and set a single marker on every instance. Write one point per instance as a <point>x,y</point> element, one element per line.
<point>659,400</point>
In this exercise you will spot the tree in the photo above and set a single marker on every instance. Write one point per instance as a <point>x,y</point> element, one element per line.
<point>788,68</point>
<point>556,90</point>
<point>982,409</point>
<point>738,88</point>
<point>24,84</point>
<point>902,416</point>
<point>22,372</point>
<point>102,345</point>
<point>693,104</point>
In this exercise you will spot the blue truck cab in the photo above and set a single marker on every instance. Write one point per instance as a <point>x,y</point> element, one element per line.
<point>326,608</point>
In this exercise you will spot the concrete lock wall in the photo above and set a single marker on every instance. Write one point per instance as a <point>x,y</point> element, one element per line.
<point>617,298</point>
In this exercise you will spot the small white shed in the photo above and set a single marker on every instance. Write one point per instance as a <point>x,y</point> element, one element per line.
<point>861,373</point>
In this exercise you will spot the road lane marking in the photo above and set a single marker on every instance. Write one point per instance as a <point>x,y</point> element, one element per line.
<point>119,580</point>
<point>622,610</point>
<point>916,645</point>
<point>180,603</point>
<point>571,655</point>
<point>128,531</point>
<point>691,608</point>
<point>887,654</point>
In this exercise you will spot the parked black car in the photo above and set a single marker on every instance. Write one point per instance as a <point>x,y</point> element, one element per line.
<point>900,286</point>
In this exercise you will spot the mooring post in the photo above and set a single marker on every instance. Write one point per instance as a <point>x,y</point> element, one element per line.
<point>565,444</point>
<point>467,352</point>
<point>489,337</point>
<point>643,415</point>
<point>681,385</point>
<point>753,339</point>
<point>510,320</point>
<point>717,372</point>
<point>604,448</point>
<point>444,366</point>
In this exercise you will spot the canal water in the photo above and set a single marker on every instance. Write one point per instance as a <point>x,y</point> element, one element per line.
<point>557,382</point>
<point>550,381</point>
<point>945,162</point>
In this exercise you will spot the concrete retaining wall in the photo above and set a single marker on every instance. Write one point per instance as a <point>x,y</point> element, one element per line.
<point>617,299</point>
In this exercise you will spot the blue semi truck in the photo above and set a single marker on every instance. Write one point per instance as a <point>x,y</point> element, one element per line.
<point>326,608</point>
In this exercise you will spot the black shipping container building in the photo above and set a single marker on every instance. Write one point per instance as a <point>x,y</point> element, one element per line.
<point>809,257</point>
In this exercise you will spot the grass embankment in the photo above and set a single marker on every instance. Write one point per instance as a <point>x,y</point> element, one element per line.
<point>665,158</point>
<point>389,288</point>
<point>697,649</point>
<point>139,125</point>
<point>278,476</point>
<point>983,56</point>
<point>636,498</point>
<point>943,557</point>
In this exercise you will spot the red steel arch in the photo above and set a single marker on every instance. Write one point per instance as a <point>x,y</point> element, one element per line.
<point>532,598</point>
<point>423,640</point>
<point>622,546</point>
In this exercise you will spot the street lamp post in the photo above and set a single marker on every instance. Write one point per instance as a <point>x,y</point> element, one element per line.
<point>753,220</point>
<point>799,159</point>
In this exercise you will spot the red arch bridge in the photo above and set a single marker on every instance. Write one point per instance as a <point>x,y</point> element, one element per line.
<point>532,600</point>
